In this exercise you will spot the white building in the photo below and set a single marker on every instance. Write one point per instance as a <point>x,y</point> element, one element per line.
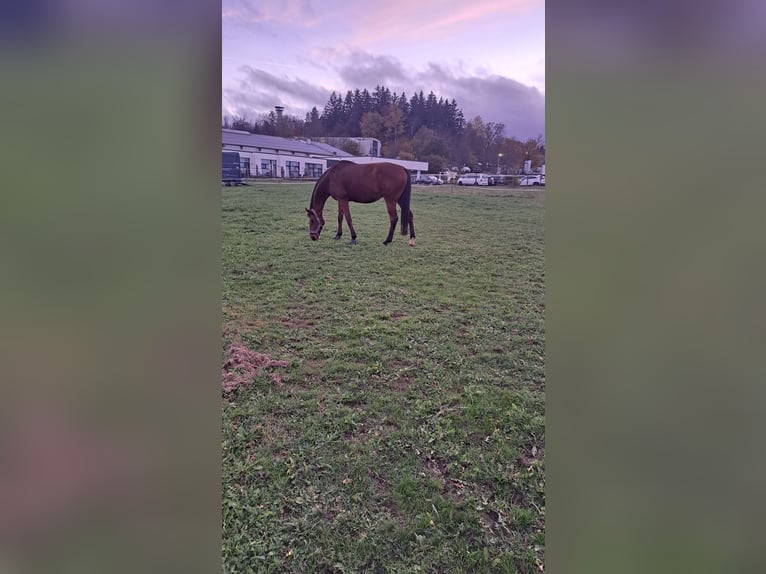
<point>273,156</point>
<point>367,146</point>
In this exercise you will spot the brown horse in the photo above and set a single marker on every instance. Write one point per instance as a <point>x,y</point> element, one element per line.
<point>362,183</point>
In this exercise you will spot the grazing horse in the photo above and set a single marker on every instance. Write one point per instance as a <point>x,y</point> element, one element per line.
<point>362,183</point>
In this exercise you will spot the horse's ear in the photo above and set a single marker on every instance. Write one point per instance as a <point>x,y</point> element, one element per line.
<point>307,210</point>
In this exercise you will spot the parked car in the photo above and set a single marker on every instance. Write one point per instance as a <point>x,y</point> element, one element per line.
<point>427,180</point>
<point>473,179</point>
<point>531,180</point>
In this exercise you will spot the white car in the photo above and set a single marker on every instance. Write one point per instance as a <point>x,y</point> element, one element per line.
<point>427,180</point>
<point>532,180</point>
<point>473,179</point>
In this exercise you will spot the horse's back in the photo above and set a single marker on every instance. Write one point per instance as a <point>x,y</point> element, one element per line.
<point>367,182</point>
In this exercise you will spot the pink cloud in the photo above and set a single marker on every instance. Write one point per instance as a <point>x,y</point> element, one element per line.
<point>404,18</point>
<point>477,11</point>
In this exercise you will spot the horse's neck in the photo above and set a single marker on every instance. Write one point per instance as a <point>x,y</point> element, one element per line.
<point>319,198</point>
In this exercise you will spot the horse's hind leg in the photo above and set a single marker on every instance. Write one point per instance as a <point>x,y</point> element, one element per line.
<point>412,230</point>
<point>340,223</point>
<point>343,207</point>
<point>391,206</point>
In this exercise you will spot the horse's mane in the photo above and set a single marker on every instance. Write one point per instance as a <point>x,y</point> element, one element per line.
<point>316,186</point>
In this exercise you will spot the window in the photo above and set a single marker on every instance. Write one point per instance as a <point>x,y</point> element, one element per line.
<point>269,167</point>
<point>293,169</point>
<point>375,148</point>
<point>244,166</point>
<point>313,169</point>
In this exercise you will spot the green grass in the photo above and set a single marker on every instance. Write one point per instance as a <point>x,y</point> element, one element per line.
<point>407,432</point>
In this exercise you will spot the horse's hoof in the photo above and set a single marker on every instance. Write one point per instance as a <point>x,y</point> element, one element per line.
<point>353,242</point>
<point>386,242</point>
<point>412,243</point>
<point>336,237</point>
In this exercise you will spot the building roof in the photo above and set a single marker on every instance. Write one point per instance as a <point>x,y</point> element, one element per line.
<point>240,138</point>
<point>410,165</point>
<point>331,150</point>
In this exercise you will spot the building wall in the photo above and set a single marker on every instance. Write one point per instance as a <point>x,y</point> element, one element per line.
<point>280,161</point>
<point>368,146</point>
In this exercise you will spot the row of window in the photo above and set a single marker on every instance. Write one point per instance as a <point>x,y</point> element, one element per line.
<point>268,168</point>
<point>292,169</point>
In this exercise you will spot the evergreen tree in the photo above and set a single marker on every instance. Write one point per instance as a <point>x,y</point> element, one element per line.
<point>313,123</point>
<point>332,114</point>
<point>381,98</point>
<point>398,122</point>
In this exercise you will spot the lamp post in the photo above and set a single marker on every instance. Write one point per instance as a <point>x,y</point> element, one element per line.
<point>498,163</point>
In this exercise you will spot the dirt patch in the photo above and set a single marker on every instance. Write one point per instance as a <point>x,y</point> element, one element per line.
<point>356,435</point>
<point>244,364</point>
<point>251,270</point>
<point>530,456</point>
<point>296,322</point>
<point>390,426</point>
<point>239,322</point>
<point>489,519</point>
<point>438,467</point>
<point>382,492</point>
<point>401,383</point>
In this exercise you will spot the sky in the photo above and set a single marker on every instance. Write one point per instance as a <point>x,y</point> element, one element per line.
<point>489,55</point>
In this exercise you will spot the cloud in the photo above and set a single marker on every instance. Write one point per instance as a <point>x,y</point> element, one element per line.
<point>367,70</point>
<point>396,19</point>
<point>259,91</point>
<point>297,13</point>
<point>521,108</point>
<point>495,98</point>
<point>465,13</point>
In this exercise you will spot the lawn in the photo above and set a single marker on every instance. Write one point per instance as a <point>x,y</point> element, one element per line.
<point>386,405</point>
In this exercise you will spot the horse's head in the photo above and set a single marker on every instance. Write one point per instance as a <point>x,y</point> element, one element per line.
<point>316,223</point>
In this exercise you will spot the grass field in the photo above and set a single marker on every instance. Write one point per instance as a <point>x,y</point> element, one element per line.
<point>387,403</point>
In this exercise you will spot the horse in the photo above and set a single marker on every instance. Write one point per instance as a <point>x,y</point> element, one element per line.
<point>362,183</point>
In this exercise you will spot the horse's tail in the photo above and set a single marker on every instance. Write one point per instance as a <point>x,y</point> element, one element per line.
<point>404,203</point>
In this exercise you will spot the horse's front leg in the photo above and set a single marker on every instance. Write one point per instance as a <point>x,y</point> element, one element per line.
<point>340,223</point>
<point>344,210</point>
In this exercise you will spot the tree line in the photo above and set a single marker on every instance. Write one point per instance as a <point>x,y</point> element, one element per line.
<point>420,127</point>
